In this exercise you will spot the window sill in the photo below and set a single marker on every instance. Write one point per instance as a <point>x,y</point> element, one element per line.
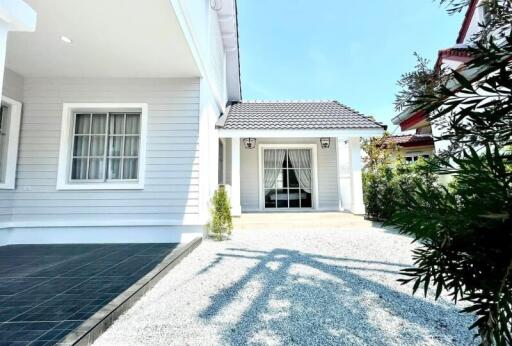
<point>101,186</point>
<point>7,186</point>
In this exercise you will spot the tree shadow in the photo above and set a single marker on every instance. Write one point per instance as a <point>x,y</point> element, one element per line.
<point>313,299</point>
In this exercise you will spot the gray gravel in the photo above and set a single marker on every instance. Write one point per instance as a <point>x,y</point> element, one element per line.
<point>291,287</point>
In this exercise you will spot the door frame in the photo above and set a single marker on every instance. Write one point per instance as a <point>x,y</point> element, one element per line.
<point>314,171</point>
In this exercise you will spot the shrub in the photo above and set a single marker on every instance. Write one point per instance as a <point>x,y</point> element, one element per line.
<point>464,231</point>
<point>221,223</point>
<point>386,176</point>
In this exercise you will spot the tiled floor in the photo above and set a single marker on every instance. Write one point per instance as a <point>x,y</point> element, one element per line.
<point>48,290</point>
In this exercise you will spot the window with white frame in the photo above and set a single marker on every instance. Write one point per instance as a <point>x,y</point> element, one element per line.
<point>10,118</point>
<point>104,148</point>
<point>413,157</point>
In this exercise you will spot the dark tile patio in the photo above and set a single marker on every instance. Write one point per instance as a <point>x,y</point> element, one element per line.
<point>48,290</point>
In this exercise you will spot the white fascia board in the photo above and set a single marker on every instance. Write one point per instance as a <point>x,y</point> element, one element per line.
<point>346,133</point>
<point>186,27</point>
<point>17,15</point>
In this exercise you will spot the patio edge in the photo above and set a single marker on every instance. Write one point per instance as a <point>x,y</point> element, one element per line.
<point>86,333</point>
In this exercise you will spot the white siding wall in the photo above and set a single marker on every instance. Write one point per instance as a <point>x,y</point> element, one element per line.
<point>13,88</point>
<point>171,188</point>
<point>327,173</point>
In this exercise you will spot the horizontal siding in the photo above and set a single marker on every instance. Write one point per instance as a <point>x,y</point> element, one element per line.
<point>327,173</point>
<point>172,158</point>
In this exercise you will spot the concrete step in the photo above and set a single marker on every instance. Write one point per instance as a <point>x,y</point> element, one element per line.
<point>304,220</point>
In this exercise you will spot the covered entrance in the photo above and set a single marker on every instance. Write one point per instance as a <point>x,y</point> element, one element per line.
<point>293,156</point>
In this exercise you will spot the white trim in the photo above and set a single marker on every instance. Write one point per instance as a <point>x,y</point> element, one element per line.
<point>354,132</point>
<point>224,152</point>
<point>99,235</point>
<point>316,197</point>
<point>186,27</point>
<point>187,220</point>
<point>17,15</point>
<point>12,143</point>
<point>65,146</point>
<point>236,208</point>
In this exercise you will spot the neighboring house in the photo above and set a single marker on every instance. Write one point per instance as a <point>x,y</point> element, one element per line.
<point>413,147</point>
<point>452,58</point>
<point>108,120</point>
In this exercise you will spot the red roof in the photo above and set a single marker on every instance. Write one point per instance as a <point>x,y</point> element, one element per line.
<point>410,140</point>
<point>467,20</point>
<point>455,53</point>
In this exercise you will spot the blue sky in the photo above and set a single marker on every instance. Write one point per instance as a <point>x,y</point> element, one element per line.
<point>351,51</point>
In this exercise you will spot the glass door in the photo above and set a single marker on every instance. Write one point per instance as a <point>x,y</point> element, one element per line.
<point>287,178</point>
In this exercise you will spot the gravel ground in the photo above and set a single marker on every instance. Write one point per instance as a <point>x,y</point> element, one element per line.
<point>291,287</point>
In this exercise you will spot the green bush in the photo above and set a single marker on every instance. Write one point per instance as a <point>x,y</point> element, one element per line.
<point>221,223</point>
<point>386,175</point>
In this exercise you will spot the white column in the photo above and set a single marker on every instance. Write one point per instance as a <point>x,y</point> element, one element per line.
<point>236,209</point>
<point>15,15</point>
<point>344,178</point>
<point>357,206</point>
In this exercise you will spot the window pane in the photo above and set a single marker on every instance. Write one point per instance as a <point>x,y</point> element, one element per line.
<point>97,145</point>
<point>293,179</point>
<point>270,198</point>
<point>81,146</point>
<point>114,147</point>
<point>294,198</point>
<point>131,146</point>
<point>96,168</point>
<point>79,169</point>
<point>282,198</point>
<point>114,169</point>
<point>280,178</point>
<point>116,123</point>
<point>98,123</point>
<point>132,123</point>
<point>300,158</point>
<point>130,168</point>
<point>270,177</point>
<point>274,158</point>
<point>82,122</point>
<point>305,199</point>
<point>305,178</point>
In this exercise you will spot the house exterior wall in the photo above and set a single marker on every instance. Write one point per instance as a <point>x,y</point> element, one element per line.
<point>327,173</point>
<point>171,192</point>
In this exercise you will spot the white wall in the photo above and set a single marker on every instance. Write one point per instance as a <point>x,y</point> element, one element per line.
<point>327,173</point>
<point>171,193</point>
<point>207,39</point>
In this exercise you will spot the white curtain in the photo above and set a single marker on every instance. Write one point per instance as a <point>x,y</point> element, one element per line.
<point>130,168</point>
<point>301,158</point>
<point>273,158</point>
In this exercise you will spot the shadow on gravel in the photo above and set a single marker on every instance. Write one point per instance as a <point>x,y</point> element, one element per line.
<point>310,299</point>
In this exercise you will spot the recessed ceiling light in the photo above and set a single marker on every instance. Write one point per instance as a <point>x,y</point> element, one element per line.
<point>66,39</point>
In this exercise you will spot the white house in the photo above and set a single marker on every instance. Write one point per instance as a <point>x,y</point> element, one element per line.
<point>453,58</point>
<point>114,113</point>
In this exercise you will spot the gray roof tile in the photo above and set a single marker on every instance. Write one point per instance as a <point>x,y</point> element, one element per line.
<point>293,115</point>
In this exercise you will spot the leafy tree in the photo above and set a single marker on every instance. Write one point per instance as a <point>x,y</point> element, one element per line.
<point>465,230</point>
<point>221,224</point>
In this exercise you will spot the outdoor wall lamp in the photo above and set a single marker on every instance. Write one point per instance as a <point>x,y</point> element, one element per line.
<point>249,143</point>
<point>325,142</point>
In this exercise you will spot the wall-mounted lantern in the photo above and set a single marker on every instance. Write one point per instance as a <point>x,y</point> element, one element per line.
<point>249,143</point>
<point>325,142</point>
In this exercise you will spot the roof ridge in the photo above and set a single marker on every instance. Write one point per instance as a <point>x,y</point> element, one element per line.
<point>288,101</point>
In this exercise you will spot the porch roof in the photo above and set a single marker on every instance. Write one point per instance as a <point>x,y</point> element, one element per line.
<point>294,115</point>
